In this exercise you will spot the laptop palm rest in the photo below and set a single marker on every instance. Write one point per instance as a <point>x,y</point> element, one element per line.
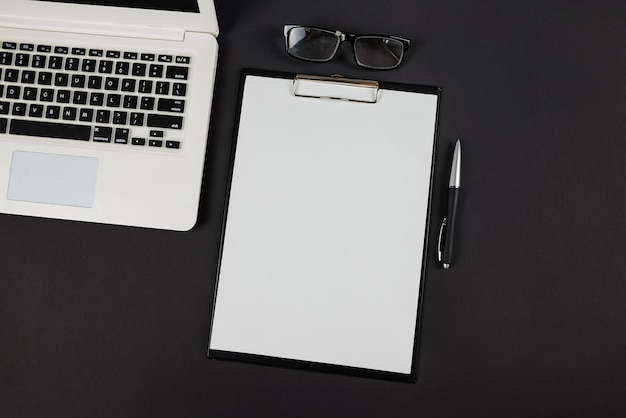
<point>53,179</point>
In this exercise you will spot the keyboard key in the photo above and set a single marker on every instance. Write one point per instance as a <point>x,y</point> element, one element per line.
<point>11,75</point>
<point>138,141</point>
<point>3,125</point>
<point>114,100</point>
<point>172,144</point>
<point>46,95</point>
<point>130,102</point>
<point>121,136</point>
<point>128,85</point>
<point>103,116</point>
<point>78,81</point>
<point>102,134</point>
<point>19,109</point>
<point>53,112</point>
<point>94,82</point>
<point>50,130</point>
<point>96,52</point>
<point>130,55</point>
<point>61,50</point>
<point>155,143</point>
<point>6,58</point>
<point>177,73</point>
<point>61,80</point>
<point>171,105</point>
<point>69,113</point>
<point>45,78</point>
<point>156,134</point>
<point>96,99</point>
<point>27,47</point>
<point>147,103</point>
<point>35,111</point>
<point>9,45</point>
<point>22,60</point>
<point>139,70</point>
<point>4,108</point>
<point>39,61</point>
<point>30,93</point>
<point>105,67</point>
<point>156,70</point>
<point>72,64</point>
<point>147,57</point>
<point>183,60</point>
<point>85,115</point>
<point>164,121</point>
<point>44,48</point>
<point>55,63</point>
<point>165,58</point>
<point>63,96</point>
<point>162,88</point>
<point>1,89</point>
<point>145,86</point>
<point>119,118</point>
<point>79,51</point>
<point>111,83</point>
<point>13,92</point>
<point>136,119</point>
<point>80,98</point>
<point>114,54</point>
<point>28,77</point>
<point>179,89</point>
<point>122,68</point>
<point>89,66</point>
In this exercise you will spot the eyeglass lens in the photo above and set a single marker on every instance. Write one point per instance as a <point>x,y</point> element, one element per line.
<point>378,52</point>
<point>312,44</point>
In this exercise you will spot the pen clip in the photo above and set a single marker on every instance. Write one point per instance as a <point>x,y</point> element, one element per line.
<point>440,241</point>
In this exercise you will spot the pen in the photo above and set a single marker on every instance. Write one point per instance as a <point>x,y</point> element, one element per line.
<point>447,226</point>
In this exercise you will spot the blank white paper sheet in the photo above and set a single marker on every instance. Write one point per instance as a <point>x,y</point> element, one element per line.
<point>325,229</point>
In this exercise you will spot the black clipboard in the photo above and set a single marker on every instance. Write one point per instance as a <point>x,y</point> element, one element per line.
<point>325,230</point>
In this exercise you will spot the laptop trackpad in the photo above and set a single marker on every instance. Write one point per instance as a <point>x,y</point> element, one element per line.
<point>51,178</point>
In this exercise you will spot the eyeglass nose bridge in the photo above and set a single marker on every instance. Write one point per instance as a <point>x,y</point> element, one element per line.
<point>342,36</point>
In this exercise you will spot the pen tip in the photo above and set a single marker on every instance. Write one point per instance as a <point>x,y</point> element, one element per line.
<point>455,172</point>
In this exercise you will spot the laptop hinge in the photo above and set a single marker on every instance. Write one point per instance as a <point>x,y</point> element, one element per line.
<point>147,32</point>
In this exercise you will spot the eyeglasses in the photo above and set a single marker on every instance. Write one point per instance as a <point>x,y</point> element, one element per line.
<point>377,52</point>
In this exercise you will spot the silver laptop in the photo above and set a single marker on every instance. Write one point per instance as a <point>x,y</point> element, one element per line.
<point>104,109</point>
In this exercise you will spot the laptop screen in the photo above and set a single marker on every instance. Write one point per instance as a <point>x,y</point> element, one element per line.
<point>190,6</point>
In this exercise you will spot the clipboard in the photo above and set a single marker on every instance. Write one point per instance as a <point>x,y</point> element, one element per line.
<point>325,231</point>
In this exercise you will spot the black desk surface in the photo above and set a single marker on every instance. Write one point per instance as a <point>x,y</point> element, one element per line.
<point>100,321</point>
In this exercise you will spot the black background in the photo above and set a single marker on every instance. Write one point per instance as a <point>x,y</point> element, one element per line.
<point>100,321</point>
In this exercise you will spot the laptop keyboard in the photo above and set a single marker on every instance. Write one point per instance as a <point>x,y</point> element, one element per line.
<point>126,98</point>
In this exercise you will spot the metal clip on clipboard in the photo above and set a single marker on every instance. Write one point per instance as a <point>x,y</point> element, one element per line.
<point>336,87</point>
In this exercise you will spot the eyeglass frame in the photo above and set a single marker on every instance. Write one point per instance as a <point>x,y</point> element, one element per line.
<point>351,37</point>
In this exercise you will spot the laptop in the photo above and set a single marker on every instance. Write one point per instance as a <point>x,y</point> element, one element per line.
<point>104,109</point>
